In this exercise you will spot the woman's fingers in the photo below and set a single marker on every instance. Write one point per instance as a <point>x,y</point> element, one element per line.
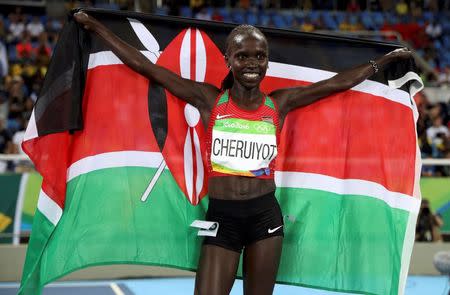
<point>82,18</point>
<point>401,53</point>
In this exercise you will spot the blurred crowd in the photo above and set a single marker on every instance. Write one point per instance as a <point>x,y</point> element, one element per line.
<point>433,133</point>
<point>27,42</point>
<point>26,45</point>
<point>423,25</point>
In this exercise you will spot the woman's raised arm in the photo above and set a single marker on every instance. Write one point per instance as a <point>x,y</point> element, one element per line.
<point>291,98</point>
<point>200,95</point>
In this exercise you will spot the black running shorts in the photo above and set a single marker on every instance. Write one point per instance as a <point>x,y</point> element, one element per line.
<point>242,223</point>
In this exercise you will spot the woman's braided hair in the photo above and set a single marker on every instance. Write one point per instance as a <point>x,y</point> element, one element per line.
<point>244,29</point>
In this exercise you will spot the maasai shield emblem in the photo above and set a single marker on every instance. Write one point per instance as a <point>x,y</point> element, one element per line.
<point>192,55</point>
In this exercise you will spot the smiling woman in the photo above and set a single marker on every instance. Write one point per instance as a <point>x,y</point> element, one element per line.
<point>246,56</point>
<point>243,129</point>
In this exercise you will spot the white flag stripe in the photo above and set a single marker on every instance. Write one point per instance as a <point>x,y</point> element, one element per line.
<point>49,208</point>
<point>31,131</point>
<point>113,160</point>
<point>416,86</point>
<point>312,75</point>
<point>282,178</point>
<point>347,187</point>
<point>285,71</point>
<point>106,58</point>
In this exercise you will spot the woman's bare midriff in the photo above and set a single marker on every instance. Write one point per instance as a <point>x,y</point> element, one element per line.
<point>238,187</point>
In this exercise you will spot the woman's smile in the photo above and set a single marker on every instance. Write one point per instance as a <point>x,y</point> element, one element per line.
<point>251,76</point>
<point>248,60</point>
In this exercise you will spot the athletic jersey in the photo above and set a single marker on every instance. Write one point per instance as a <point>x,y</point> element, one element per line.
<point>241,142</point>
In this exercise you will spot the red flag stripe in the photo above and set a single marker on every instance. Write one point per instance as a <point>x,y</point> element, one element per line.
<point>322,126</point>
<point>361,157</point>
<point>390,113</point>
<point>49,155</point>
<point>118,118</point>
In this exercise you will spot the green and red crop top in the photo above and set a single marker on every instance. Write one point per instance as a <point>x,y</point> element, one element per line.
<point>241,142</point>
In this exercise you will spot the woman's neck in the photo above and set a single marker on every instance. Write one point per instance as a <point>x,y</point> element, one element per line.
<point>246,98</point>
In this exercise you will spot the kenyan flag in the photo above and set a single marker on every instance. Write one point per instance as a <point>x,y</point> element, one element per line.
<point>123,159</point>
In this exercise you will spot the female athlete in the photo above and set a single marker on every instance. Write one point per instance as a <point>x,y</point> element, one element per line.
<point>243,126</point>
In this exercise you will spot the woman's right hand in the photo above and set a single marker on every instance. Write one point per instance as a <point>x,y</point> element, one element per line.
<point>88,22</point>
<point>200,95</point>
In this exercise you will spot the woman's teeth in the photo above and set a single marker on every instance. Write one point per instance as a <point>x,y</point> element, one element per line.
<point>251,75</point>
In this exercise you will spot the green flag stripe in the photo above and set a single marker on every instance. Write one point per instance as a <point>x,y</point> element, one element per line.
<point>369,236</point>
<point>369,231</point>
<point>138,231</point>
<point>32,278</point>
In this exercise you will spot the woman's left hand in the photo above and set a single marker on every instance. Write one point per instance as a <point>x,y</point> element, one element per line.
<point>399,54</point>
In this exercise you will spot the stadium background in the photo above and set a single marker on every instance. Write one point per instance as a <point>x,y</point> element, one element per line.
<point>29,32</point>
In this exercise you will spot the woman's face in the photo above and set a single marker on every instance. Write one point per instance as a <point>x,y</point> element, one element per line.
<point>247,58</point>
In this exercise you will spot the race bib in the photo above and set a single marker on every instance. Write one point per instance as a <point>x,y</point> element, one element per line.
<point>243,147</point>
